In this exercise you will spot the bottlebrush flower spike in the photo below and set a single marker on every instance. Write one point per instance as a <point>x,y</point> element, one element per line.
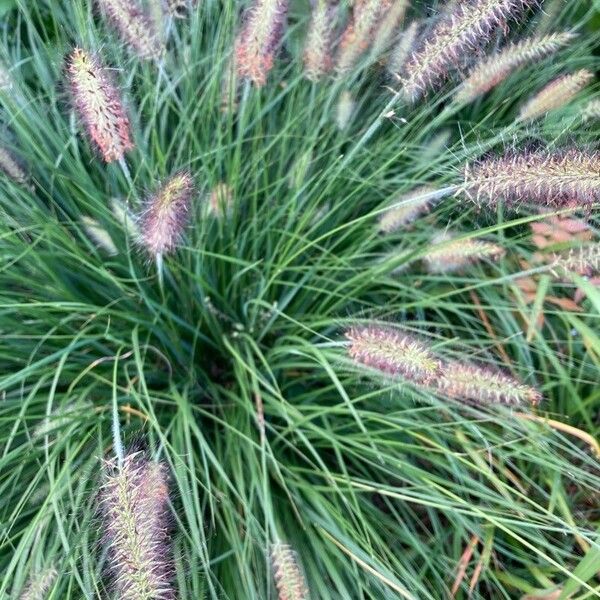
<point>402,49</point>
<point>259,39</point>
<point>448,255</point>
<point>99,106</point>
<point>134,504</point>
<point>480,385</point>
<point>5,78</point>
<point>591,111</point>
<point>556,94</point>
<point>166,214</point>
<point>388,27</point>
<point>412,207</point>
<point>358,35</point>
<point>489,72</point>
<point>569,178</point>
<point>99,235</point>
<point>136,28</point>
<point>318,51</point>
<point>39,585</point>
<point>344,110</point>
<point>393,353</point>
<point>289,578</point>
<point>11,167</point>
<point>466,29</point>
<point>583,261</point>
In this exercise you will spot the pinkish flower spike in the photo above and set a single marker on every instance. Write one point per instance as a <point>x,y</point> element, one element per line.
<point>136,28</point>
<point>318,52</point>
<point>556,94</point>
<point>481,385</point>
<point>393,353</point>
<point>489,72</point>
<point>259,40</point>
<point>289,578</point>
<point>411,206</point>
<point>569,178</point>
<point>134,503</point>
<point>467,28</point>
<point>166,214</point>
<point>39,585</point>
<point>99,106</point>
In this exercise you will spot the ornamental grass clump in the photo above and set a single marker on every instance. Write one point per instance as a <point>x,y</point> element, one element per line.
<point>223,241</point>
<point>134,503</point>
<point>99,105</point>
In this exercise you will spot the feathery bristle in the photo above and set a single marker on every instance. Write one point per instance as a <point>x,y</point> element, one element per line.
<point>591,111</point>
<point>318,51</point>
<point>556,94</point>
<point>134,503</point>
<point>569,178</point>
<point>393,353</point>
<point>480,385</point>
<point>388,27</point>
<point>259,39</point>
<point>465,30</point>
<point>402,49</point>
<point>584,260</point>
<point>136,28</point>
<point>491,71</point>
<point>448,255</point>
<point>39,585</point>
<point>99,235</point>
<point>358,35</point>
<point>412,207</point>
<point>99,106</point>
<point>166,214</point>
<point>11,167</point>
<point>289,578</point>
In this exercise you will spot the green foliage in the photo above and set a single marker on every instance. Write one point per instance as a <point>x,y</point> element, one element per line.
<point>234,371</point>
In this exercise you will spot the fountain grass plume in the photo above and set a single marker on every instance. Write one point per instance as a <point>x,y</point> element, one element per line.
<point>392,352</point>
<point>448,255</point>
<point>97,102</point>
<point>411,206</point>
<point>136,28</point>
<point>318,48</point>
<point>556,94</point>
<point>359,33</point>
<point>584,260</point>
<point>402,49</point>
<point>289,579</point>
<point>259,39</point>
<point>39,585</point>
<point>11,167</point>
<point>388,27</point>
<point>166,214</point>
<point>494,69</point>
<point>555,179</point>
<point>466,29</point>
<point>480,385</point>
<point>134,503</point>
